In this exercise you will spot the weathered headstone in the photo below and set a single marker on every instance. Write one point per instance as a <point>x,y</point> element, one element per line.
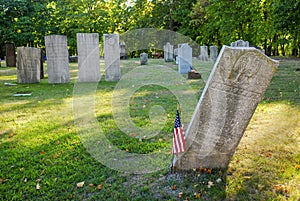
<point>144,59</point>
<point>28,64</point>
<point>123,53</point>
<point>168,52</point>
<point>213,53</point>
<point>185,58</point>
<point>57,59</point>
<point>237,83</point>
<point>240,43</point>
<point>112,57</point>
<point>88,57</point>
<point>10,55</point>
<point>203,53</point>
<point>176,55</point>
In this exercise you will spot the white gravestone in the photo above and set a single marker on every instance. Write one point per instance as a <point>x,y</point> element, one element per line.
<point>28,64</point>
<point>240,43</point>
<point>168,52</point>
<point>236,84</point>
<point>57,59</point>
<point>185,58</point>
<point>203,53</point>
<point>88,57</point>
<point>213,50</point>
<point>112,57</point>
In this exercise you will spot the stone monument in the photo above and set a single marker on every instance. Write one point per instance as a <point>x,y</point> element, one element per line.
<point>57,59</point>
<point>144,59</point>
<point>168,52</point>
<point>88,57</point>
<point>236,84</point>
<point>185,58</point>
<point>10,55</point>
<point>112,57</point>
<point>203,53</point>
<point>123,53</point>
<point>213,50</point>
<point>240,43</point>
<point>28,65</point>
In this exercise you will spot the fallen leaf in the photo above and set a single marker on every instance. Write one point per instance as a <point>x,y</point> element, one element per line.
<point>174,187</point>
<point>298,167</point>
<point>99,187</point>
<point>197,195</point>
<point>57,142</point>
<point>55,156</point>
<point>219,180</point>
<point>10,135</point>
<point>25,180</point>
<point>80,184</point>
<point>210,184</point>
<point>3,180</point>
<point>42,152</point>
<point>209,171</point>
<point>180,195</point>
<point>37,187</point>
<point>91,185</point>
<point>268,155</point>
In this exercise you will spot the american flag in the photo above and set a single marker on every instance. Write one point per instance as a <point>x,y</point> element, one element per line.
<point>178,136</point>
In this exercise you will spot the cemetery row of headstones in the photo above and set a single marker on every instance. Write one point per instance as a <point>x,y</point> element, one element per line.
<point>29,59</point>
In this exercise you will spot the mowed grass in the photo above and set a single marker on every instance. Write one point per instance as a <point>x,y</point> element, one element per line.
<point>43,157</point>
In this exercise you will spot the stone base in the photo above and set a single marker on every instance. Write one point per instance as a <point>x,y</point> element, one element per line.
<point>194,75</point>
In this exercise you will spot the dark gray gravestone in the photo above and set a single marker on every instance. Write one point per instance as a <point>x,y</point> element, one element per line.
<point>28,64</point>
<point>57,59</point>
<point>168,52</point>
<point>88,57</point>
<point>144,59</point>
<point>203,53</point>
<point>213,50</point>
<point>232,93</point>
<point>10,55</point>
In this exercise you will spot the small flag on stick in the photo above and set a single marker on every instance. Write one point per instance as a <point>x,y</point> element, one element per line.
<point>178,136</point>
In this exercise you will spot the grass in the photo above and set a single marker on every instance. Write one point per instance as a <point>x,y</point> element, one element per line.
<point>44,156</point>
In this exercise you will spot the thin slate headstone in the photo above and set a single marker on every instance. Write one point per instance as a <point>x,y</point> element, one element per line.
<point>176,55</point>
<point>240,43</point>
<point>235,87</point>
<point>123,53</point>
<point>168,52</point>
<point>10,55</point>
<point>213,50</point>
<point>185,53</point>
<point>28,65</point>
<point>88,57</point>
<point>57,59</point>
<point>112,57</point>
<point>203,53</point>
<point>144,59</point>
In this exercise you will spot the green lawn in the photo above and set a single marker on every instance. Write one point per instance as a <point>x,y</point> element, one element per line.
<point>43,153</point>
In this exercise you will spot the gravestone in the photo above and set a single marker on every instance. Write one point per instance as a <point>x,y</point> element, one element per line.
<point>185,58</point>
<point>10,55</point>
<point>112,57</point>
<point>213,50</point>
<point>28,65</point>
<point>236,84</point>
<point>176,55</point>
<point>123,53</point>
<point>88,57</point>
<point>240,43</point>
<point>203,53</point>
<point>168,52</point>
<point>57,59</point>
<point>144,59</point>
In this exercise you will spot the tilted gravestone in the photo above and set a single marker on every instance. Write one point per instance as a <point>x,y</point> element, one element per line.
<point>203,53</point>
<point>112,57</point>
<point>240,43</point>
<point>28,64</point>
<point>88,57</point>
<point>236,85</point>
<point>10,55</point>
<point>144,59</point>
<point>185,53</point>
<point>168,52</point>
<point>57,59</point>
<point>213,50</point>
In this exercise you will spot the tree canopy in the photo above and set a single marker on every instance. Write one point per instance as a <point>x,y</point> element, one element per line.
<point>273,25</point>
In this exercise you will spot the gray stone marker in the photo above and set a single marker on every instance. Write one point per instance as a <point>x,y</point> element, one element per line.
<point>203,53</point>
<point>88,57</point>
<point>176,55</point>
<point>144,59</point>
<point>185,54</point>
<point>240,43</point>
<point>57,59</point>
<point>28,64</point>
<point>112,57</point>
<point>123,53</point>
<point>168,52</point>
<point>213,50</point>
<point>10,53</point>
<point>236,84</point>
